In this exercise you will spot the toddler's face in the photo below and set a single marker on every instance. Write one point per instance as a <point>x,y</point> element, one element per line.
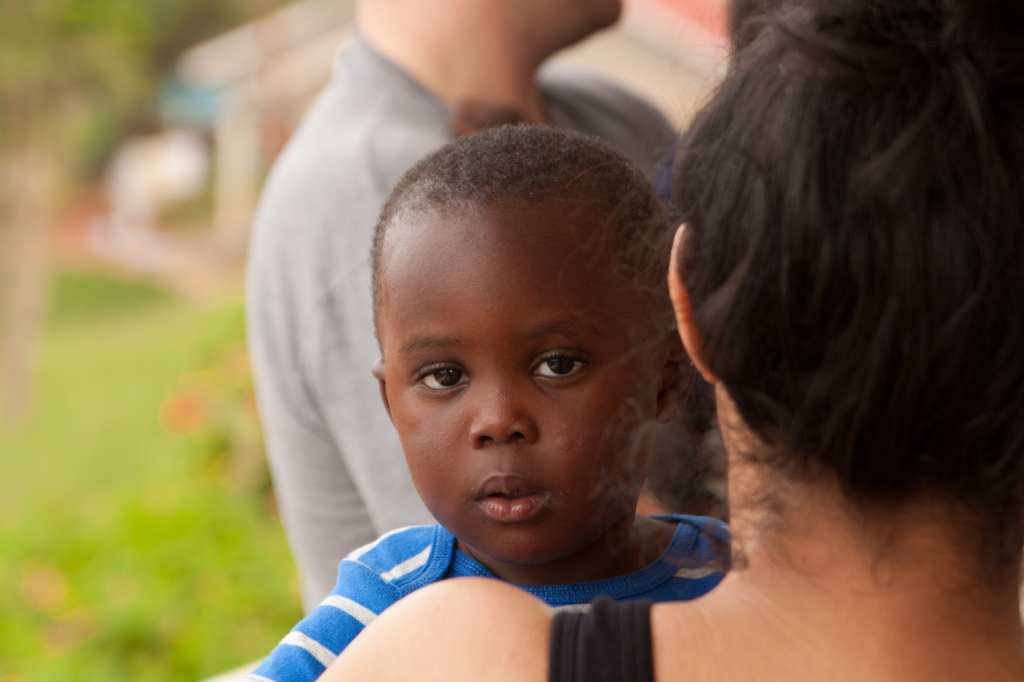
<point>521,375</point>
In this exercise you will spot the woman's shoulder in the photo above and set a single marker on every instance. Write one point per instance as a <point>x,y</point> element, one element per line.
<point>464,628</point>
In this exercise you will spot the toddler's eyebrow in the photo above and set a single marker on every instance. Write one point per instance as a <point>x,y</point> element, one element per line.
<point>569,328</point>
<point>418,343</point>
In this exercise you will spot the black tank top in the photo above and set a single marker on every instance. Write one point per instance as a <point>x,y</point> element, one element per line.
<point>611,641</point>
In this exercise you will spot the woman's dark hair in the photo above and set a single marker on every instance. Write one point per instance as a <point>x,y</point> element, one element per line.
<point>541,164</point>
<point>854,201</point>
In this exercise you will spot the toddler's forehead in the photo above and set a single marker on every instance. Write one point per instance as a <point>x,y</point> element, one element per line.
<point>507,227</point>
<point>544,251</point>
<point>521,237</point>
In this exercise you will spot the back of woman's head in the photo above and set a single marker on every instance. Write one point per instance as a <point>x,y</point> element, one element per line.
<point>854,196</point>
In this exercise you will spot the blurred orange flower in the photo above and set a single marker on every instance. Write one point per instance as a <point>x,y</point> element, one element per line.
<point>183,413</point>
<point>44,589</point>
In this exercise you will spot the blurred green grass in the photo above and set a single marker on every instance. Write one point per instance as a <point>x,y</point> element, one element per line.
<point>133,545</point>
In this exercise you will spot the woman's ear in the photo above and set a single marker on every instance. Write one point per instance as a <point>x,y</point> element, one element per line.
<point>377,370</point>
<point>684,311</point>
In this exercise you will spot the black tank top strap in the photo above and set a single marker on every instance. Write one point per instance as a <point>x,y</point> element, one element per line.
<point>610,641</point>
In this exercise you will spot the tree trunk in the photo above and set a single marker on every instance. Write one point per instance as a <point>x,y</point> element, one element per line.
<point>28,199</point>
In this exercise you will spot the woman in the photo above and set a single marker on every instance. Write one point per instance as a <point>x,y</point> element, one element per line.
<point>850,278</point>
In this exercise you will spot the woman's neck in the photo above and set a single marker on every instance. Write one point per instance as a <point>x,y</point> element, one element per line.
<point>813,574</point>
<point>910,593</point>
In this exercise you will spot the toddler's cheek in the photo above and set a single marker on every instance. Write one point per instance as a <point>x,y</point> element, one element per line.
<point>567,443</point>
<point>428,450</point>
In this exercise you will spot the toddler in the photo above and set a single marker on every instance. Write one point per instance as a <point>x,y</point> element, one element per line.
<point>528,348</point>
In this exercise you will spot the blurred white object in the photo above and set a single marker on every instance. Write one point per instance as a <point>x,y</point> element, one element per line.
<point>151,172</point>
<point>146,175</point>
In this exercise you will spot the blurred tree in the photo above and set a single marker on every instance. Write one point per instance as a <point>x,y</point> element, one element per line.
<point>76,76</point>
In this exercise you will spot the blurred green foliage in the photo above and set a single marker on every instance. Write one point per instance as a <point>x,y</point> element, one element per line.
<point>77,75</point>
<point>138,539</point>
<point>82,299</point>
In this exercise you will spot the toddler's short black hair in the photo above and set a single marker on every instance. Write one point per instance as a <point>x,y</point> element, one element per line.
<point>538,164</point>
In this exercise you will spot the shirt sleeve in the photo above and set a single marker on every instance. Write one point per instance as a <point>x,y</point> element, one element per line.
<point>359,596</point>
<point>323,513</point>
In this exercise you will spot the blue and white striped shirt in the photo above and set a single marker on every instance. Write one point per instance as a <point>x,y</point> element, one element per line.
<point>374,577</point>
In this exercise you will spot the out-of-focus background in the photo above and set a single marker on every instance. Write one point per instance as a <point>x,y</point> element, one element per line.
<point>138,531</point>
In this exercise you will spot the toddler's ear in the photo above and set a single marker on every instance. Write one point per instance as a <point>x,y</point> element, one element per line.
<point>677,378</point>
<point>377,370</point>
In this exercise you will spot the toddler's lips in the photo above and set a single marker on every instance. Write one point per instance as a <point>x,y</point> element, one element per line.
<point>510,499</point>
<point>513,507</point>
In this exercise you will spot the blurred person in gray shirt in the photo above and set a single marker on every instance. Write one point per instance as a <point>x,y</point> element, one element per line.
<point>415,74</point>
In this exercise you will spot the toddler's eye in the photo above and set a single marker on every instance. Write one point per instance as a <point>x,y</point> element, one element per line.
<point>445,378</point>
<point>559,366</point>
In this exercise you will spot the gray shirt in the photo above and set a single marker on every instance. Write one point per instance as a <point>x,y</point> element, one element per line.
<point>338,469</point>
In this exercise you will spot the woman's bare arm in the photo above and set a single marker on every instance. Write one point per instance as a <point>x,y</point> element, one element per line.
<point>460,629</point>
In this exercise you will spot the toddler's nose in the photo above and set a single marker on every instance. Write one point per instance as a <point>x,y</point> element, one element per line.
<point>501,418</point>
